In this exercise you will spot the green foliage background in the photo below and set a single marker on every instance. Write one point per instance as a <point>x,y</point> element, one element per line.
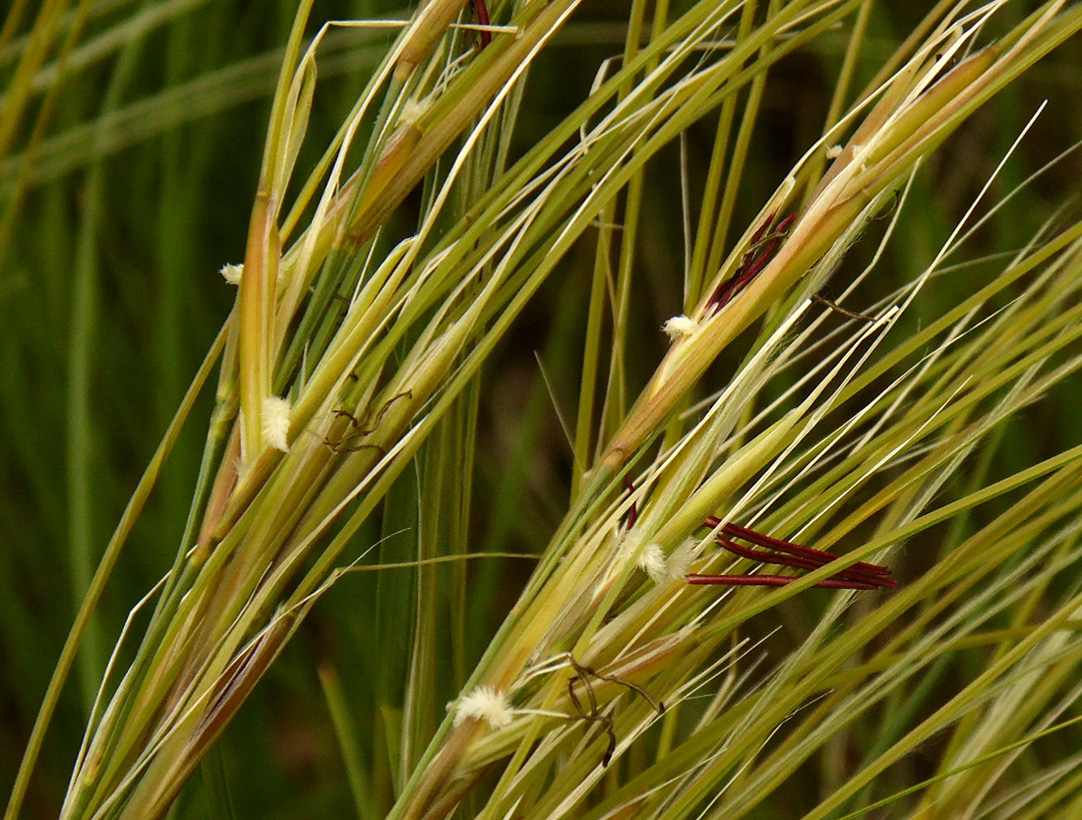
<point>137,186</point>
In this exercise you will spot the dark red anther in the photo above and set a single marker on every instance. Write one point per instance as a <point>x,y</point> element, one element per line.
<point>860,575</point>
<point>481,12</point>
<point>771,581</point>
<point>632,512</point>
<point>754,260</point>
<point>785,553</point>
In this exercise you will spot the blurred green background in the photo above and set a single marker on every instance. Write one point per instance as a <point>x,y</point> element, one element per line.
<point>127,183</point>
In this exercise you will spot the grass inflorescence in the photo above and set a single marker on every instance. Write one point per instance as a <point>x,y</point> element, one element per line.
<point>834,386</point>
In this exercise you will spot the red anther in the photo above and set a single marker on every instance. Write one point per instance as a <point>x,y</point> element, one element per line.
<point>632,512</point>
<point>754,260</point>
<point>818,557</point>
<point>481,12</point>
<point>769,581</point>
<point>785,553</point>
<point>860,575</point>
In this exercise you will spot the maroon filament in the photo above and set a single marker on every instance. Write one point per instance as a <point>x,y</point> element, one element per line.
<point>860,575</point>
<point>481,12</point>
<point>754,260</point>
